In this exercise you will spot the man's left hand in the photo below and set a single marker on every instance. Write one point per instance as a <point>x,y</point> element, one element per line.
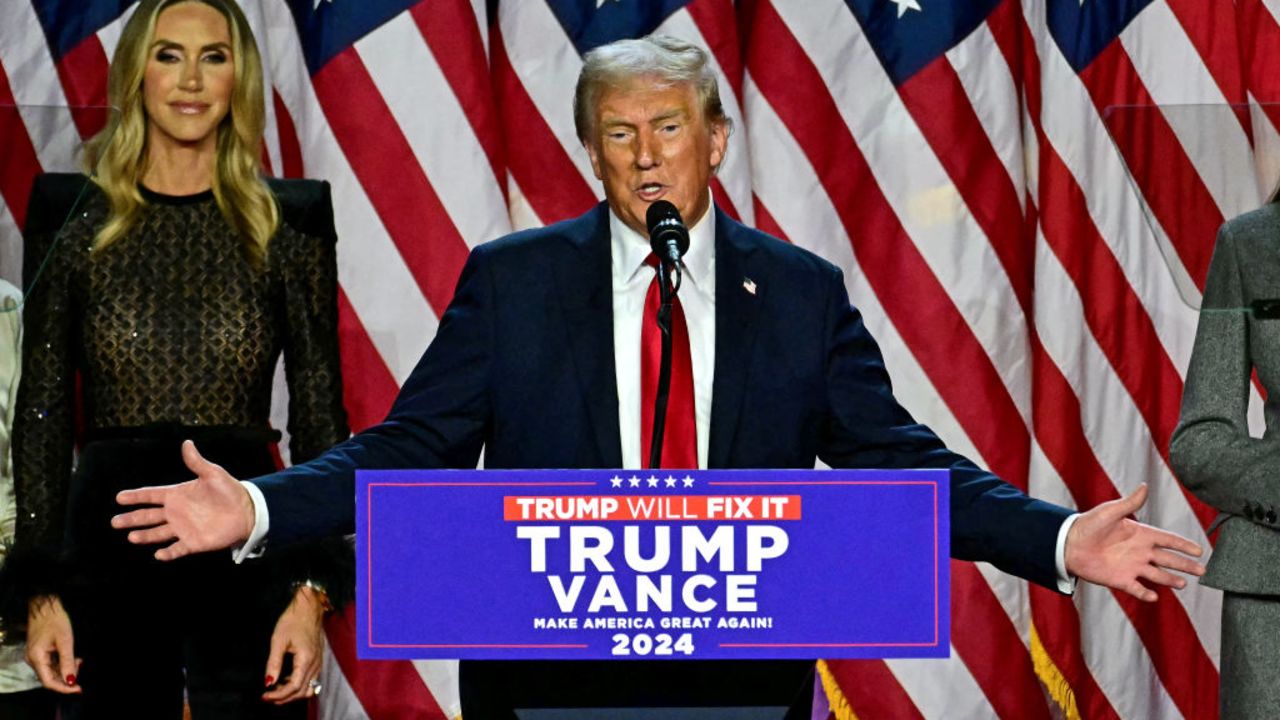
<point>1107,547</point>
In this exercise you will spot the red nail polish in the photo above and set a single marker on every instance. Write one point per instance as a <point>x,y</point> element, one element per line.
<point>270,680</point>
<point>71,679</point>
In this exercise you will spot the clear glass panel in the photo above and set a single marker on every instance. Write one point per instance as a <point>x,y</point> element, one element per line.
<point>38,139</point>
<point>1189,167</point>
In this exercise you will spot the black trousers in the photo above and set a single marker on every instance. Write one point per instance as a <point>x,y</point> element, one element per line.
<point>38,704</point>
<point>145,629</point>
<point>491,690</point>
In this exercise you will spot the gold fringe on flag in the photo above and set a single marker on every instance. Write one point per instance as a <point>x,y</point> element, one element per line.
<point>1059,689</point>
<point>835,696</point>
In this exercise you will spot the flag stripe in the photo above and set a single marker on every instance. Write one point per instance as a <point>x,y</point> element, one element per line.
<point>1062,224</point>
<point>1215,136</point>
<point>451,31</point>
<point>83,73</point>
<point>1212,30</point>
<point>369,387</point>
<point>871,689</point>
<point>960,142</point>
<point>824,137</point>
<point>20,162</point>
<point>552,185</point>
<point>393,182</point>
<point>1183,206</point>
<point>801,203</point>
<point>387,689</point>
<point>463,188</point>
<point>1117,318</point>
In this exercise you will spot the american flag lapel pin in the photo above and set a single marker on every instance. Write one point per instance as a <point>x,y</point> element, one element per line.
<point>749,285</point>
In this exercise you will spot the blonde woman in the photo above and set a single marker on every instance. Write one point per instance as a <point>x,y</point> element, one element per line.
<point>174,279</point>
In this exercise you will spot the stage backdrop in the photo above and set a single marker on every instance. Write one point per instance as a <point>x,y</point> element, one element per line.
<point>1022,195</point>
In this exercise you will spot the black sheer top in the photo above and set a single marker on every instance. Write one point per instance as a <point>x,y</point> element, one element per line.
<point>171,325</point>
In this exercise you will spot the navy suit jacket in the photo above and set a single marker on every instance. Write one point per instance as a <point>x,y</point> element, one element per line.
<point>522,365</point>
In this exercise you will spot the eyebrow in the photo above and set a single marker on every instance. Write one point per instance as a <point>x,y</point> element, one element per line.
<point>669,115</point>
<point>618,122</point>
<point>180,46</point>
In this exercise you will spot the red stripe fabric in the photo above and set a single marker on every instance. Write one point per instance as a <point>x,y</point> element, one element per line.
<point>83,72</point>
<point>20,164</point>
<point>1188,674</point>
<point>388,689</point>
<point>909,291</point>
<point>1259,46</point>
<point>941,108</point>
<point>1169,182</point>
<point>1115,315</point>
<point>1212,30</point>
<point>394,182</point>
<point>872,690</point>
<point>450,30</point>
<point>368,386</point>
<point>550,182</point>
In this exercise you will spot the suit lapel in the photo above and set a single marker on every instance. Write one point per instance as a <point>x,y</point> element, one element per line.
<point>586,300</point>
<point>737,311</point>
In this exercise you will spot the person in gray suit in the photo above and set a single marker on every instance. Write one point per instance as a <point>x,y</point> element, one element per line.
<point>1215,457</point>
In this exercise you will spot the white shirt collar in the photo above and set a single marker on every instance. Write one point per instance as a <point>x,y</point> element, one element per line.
<point>630,248</point>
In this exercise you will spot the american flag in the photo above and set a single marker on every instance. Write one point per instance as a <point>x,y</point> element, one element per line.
<point>1023,195</point>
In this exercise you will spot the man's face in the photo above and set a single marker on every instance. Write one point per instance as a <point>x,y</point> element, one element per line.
<point>652,143</point>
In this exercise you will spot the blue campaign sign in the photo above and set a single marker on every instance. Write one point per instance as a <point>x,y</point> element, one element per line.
<point>605,564</point>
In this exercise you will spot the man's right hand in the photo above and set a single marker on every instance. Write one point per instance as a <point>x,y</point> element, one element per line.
<point>50,645</point>
<point>212,512</point>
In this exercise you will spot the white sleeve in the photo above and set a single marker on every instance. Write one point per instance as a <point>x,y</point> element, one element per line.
<point>1066,583</point>
<point>255,545</point>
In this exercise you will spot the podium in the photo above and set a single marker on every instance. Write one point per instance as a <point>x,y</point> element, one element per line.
<point>650,584</point>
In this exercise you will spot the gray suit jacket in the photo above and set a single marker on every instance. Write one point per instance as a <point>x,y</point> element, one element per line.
<point>1211,449</point>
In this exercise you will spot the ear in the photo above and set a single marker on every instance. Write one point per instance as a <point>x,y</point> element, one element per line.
<point>719,143</point>
<point>593,152</point>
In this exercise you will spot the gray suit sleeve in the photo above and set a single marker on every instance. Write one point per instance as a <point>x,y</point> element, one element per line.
<point>1211,450</point>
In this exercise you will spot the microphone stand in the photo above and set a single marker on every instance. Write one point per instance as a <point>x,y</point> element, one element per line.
<point>666,294</point>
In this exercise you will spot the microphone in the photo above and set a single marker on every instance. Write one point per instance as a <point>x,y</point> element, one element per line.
<point>668,237</point>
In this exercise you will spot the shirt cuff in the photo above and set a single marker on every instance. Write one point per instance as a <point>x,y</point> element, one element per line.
<point>1066,583</point>
<point>255,545</point>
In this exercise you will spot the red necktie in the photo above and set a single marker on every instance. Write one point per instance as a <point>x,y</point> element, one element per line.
<point>680,438</point>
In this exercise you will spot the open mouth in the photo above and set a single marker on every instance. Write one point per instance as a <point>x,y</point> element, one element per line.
<point>651,191</point>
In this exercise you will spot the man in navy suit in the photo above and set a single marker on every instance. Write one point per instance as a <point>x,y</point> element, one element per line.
<point>538,362</point>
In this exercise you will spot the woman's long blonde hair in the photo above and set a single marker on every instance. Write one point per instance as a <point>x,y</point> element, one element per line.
<point>116,156</point>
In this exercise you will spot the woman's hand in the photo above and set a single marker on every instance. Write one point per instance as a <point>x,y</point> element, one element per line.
<point>299,632</point>
<point>50,645</point>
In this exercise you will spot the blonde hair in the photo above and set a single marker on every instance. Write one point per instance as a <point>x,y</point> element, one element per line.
<point>116,156</point>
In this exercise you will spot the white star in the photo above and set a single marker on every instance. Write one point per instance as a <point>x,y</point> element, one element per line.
<point>688,481</point>
<point>317,4</point>
<point>905,5</point>
<point>635,481</point>
<point>616,481</point>
<point>671,481</point>
<point>653,481</point>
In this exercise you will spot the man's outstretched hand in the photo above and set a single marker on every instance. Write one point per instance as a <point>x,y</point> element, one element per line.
<point>209,513</point>
<point>1107,547</point>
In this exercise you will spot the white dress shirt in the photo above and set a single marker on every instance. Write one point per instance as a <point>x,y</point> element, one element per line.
<point>631,280</point>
